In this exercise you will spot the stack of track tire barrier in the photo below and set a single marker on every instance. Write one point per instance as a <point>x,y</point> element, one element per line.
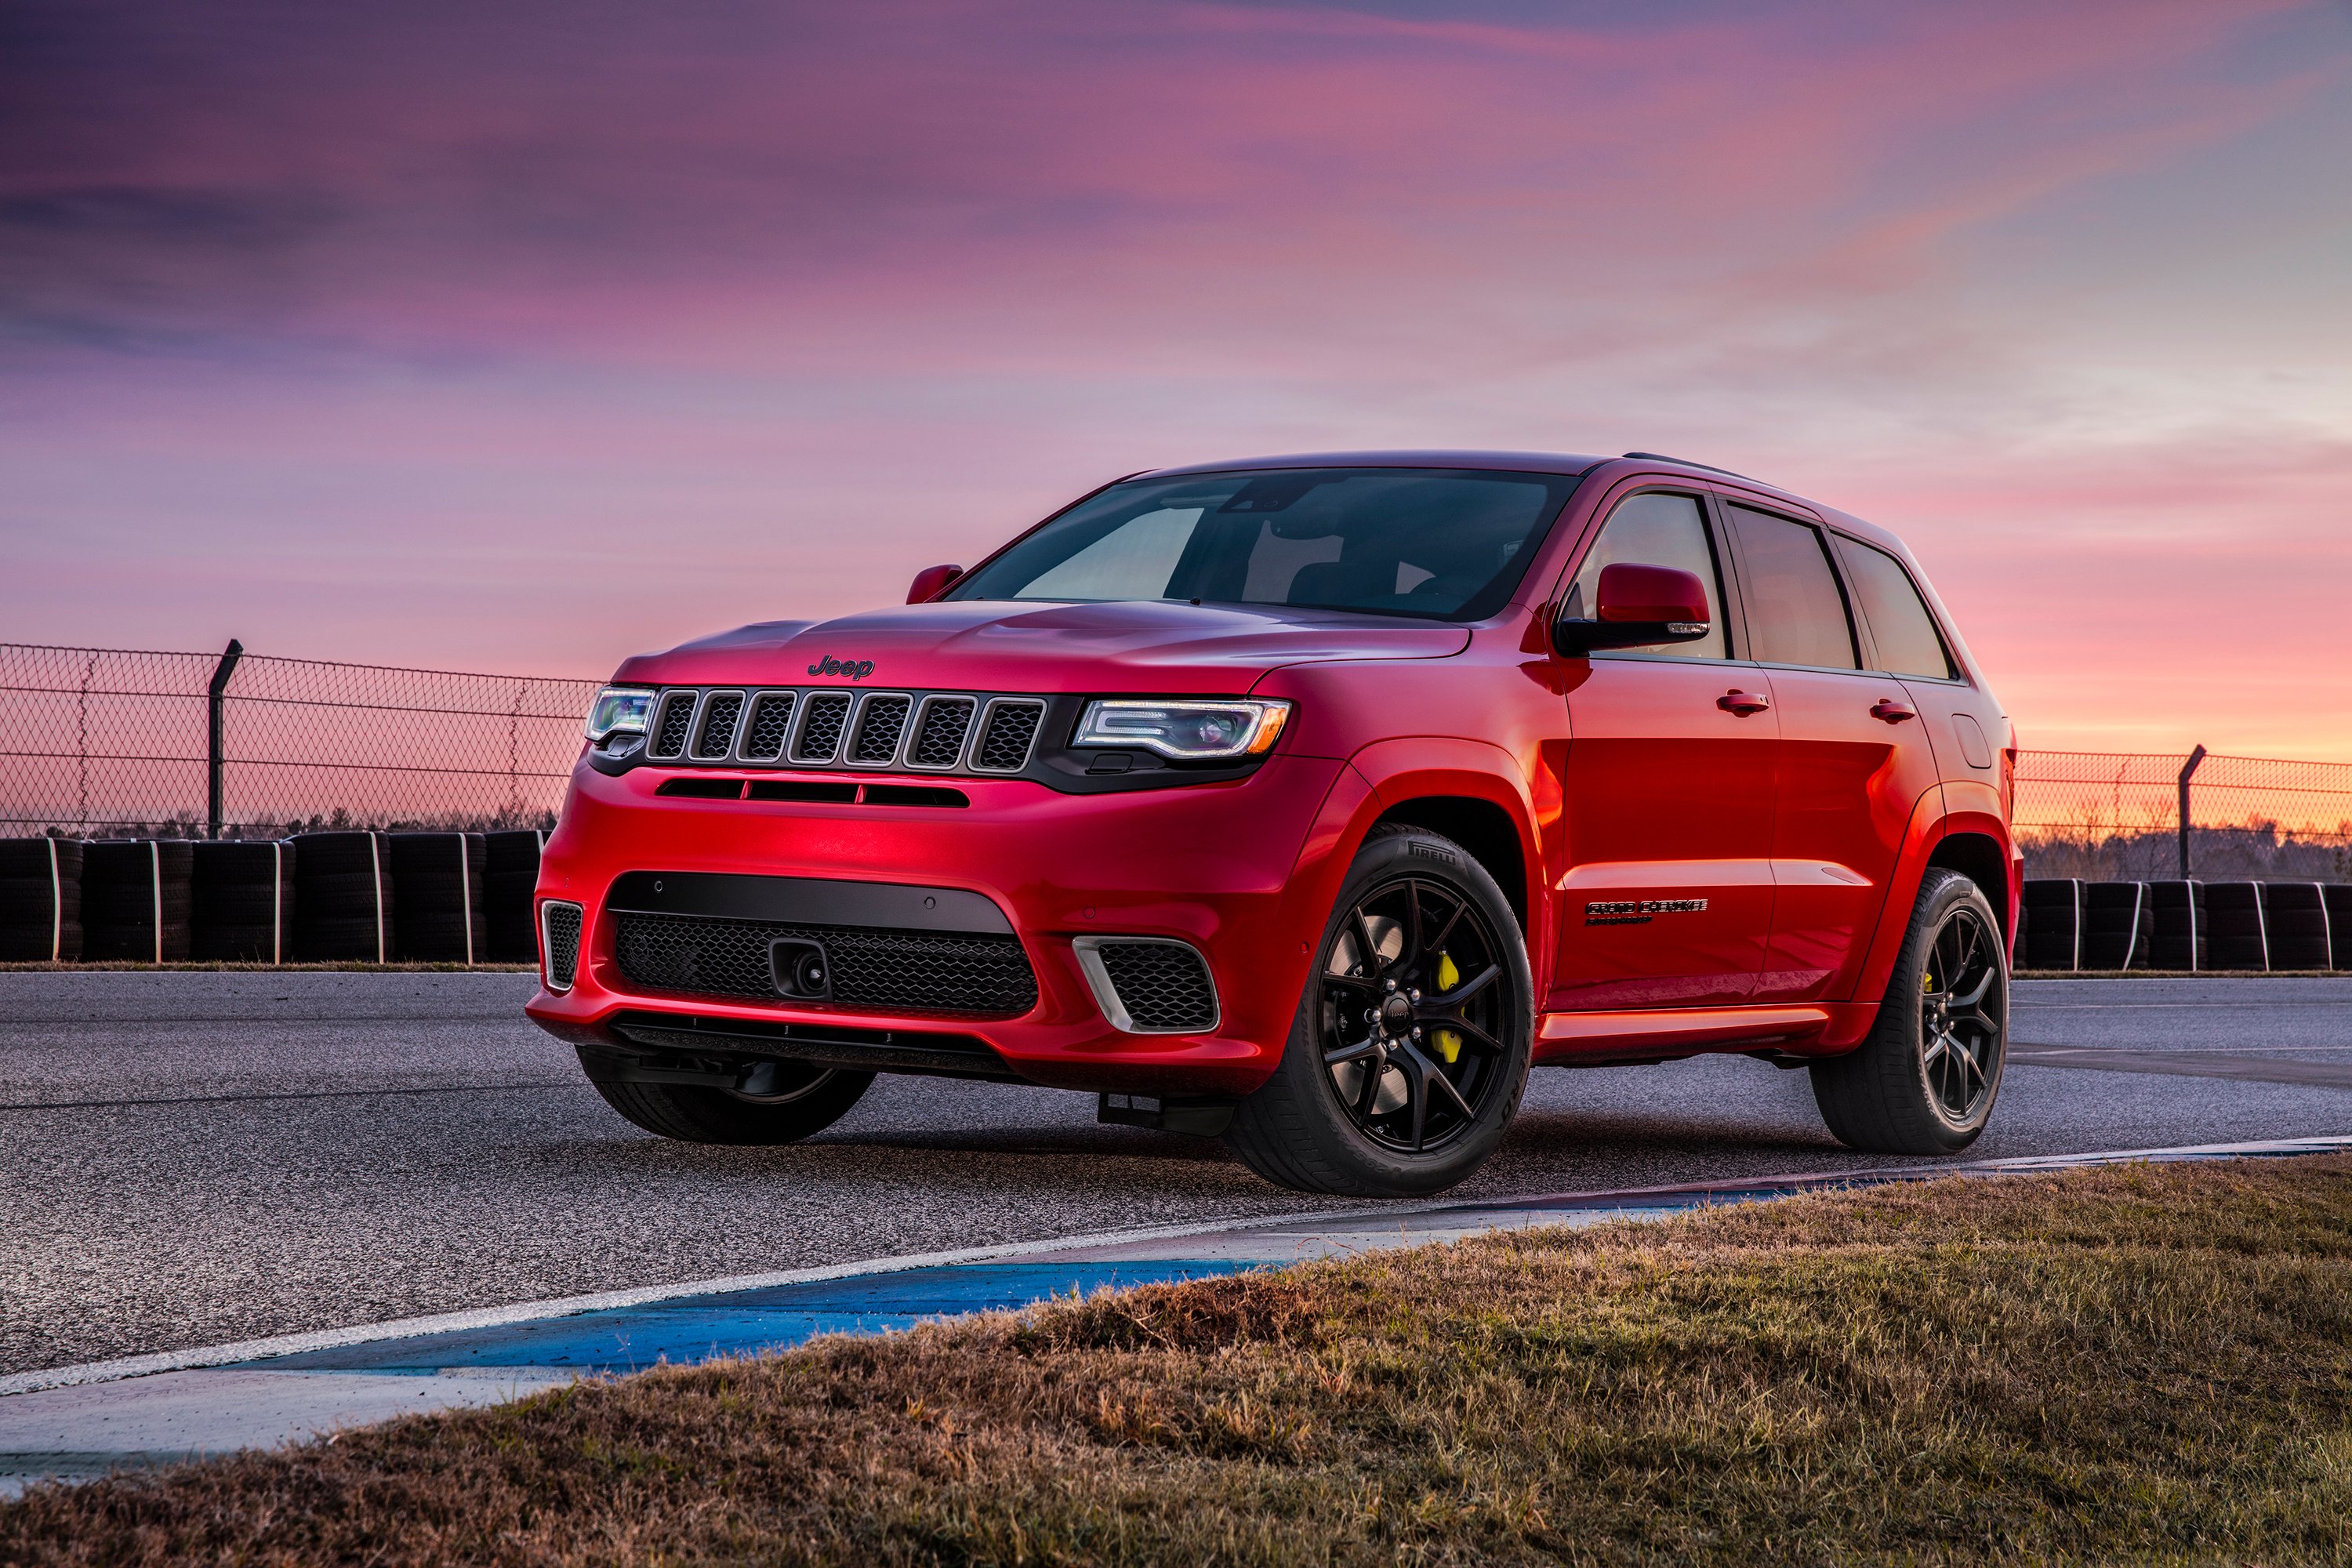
<point>2109,927</point>
<point>316,898</point>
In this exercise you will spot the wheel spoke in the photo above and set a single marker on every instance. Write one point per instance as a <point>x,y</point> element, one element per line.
<point>1438,943</point>
<point>1976,994</point>
<point>1466,989</point>
<point>1367,952</point>
<point>1354,981</point>
<point>1343,1055</point>
<point>1368,1093</point>
<point>1411,953</point>
<point>1434,1076</point>
<point>1416,1096</point>
<point>1473,1034</point>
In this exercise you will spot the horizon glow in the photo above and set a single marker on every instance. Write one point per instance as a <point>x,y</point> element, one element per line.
<point>528,341</point>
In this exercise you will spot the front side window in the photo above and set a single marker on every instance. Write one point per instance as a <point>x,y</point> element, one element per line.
<point>1444,544</point>
<point>1795,613</point>
<point>1653,530</point>
<point>1900,626</point>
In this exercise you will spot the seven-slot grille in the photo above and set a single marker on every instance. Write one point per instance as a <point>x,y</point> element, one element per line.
<point>942,732</point>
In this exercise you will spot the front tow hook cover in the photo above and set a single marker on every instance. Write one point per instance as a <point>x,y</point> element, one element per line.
<point>799,969</point>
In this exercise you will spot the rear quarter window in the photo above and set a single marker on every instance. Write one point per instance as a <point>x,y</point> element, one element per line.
<point>1905,633</point>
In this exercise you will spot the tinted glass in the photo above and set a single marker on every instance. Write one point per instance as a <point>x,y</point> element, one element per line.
<point>1795,613</point>
<point>1653,531</point>
<point>1900,626</point>
<point>1441,543</point>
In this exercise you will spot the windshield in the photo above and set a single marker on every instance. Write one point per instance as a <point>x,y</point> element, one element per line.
<point>1446,544</point>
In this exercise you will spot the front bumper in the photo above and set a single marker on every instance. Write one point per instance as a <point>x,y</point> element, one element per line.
<point>1235,869</point>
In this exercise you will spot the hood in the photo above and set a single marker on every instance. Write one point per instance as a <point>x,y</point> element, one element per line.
<point>1149,647</point>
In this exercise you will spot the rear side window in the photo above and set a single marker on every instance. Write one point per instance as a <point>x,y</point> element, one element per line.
<point>1905,633</point>
<point>1653,531</point>
<point>1795,613</point>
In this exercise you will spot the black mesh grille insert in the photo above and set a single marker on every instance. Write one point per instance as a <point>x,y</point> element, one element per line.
<point>1004,746</point>
<point>772,719</point>
<point>879,724</point>
<point>940,741</point>
<point>562,943</point>
<point>669,734</point>
<point>1162,984</point>
<point>820,736</point>
<point>886,971</point>
<point>717,736</point>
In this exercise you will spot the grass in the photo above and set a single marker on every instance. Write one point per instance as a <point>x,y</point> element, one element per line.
<point>2140,1362</point>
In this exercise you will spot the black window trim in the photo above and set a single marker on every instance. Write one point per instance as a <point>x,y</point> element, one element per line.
<point>1855,628</point>
<point>1728,599</point>
<point>1862,616</point>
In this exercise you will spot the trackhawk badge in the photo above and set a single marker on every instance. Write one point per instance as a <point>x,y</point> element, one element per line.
<point>855,668</point>
<point>1638,912</point>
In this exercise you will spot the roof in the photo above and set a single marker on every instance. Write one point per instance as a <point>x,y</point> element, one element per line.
<point>1519,462</point>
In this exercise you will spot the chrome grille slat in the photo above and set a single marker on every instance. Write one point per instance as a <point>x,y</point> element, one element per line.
<point>714,737</point>
<point>771,723</point>
<point>835,727</point>
<point>677,722</point>
<point>940,726</point>
<point>824,717</point>
<point>881,723</point>
<point>1007,733</point>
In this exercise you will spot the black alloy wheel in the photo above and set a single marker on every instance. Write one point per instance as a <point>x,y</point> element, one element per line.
<point>1410,1012</point>
<point>1924,1079</point>
<point>1961,1007</point>
<point>1409,1050</point>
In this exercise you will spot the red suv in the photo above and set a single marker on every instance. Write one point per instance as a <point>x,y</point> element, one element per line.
<point>1311,801</point>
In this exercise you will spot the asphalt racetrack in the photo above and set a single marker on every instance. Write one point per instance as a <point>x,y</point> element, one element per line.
<point>187,1159</point>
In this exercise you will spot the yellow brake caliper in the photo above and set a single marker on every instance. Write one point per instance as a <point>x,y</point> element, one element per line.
<point>1448,1042</point>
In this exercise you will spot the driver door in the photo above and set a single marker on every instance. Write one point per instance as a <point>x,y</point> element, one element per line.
<point>1667,793</point>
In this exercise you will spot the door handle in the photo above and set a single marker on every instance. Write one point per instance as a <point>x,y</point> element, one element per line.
<point>1891,712</point>
<point>1743,703</point>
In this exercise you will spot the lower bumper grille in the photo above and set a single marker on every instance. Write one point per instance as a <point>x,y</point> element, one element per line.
<point>972,973</point>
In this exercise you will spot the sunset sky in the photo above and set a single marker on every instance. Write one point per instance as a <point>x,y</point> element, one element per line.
<point>524,337</point>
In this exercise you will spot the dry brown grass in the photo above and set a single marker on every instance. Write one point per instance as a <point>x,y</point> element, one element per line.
<point>2145,1363</point>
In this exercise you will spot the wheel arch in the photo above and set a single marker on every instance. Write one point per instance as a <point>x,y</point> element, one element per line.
<point>1484,829</point>
<point>1979,858</point>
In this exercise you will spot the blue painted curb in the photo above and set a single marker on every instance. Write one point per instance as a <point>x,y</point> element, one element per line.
<point>744,1323</point>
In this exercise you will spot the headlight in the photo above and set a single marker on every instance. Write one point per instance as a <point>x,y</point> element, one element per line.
<point>622,709</point>
<point>1187,730</point>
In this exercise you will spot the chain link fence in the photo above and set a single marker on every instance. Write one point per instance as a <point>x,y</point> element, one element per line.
<point>2129,816</point>
<point>120,743</point>
<point>113,742</point>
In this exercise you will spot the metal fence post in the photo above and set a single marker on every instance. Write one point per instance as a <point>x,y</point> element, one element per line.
<point>217,699</point>
<point>2188,768</point>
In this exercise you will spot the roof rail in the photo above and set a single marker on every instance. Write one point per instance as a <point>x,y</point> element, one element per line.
<point>1686,462</point>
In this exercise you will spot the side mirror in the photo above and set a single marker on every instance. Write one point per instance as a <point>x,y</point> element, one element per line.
<point>931,582</point>
<point>1640,606</point>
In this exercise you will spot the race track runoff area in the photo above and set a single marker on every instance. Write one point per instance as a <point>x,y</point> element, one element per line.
<point>245,1207</point>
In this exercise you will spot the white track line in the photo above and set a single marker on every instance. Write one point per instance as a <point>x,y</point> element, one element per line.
<point>570,1306</point>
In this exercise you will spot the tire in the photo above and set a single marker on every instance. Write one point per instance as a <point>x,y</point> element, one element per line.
<point>694,1115</point>
<point>512,875</point>
<point>438,878</point>
<point>40,900</point>
<point>1297,1132</point>
<point>243,892</point>
<point>344,904</point>
<point>1893,1095</point>
<point>125,883</point>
